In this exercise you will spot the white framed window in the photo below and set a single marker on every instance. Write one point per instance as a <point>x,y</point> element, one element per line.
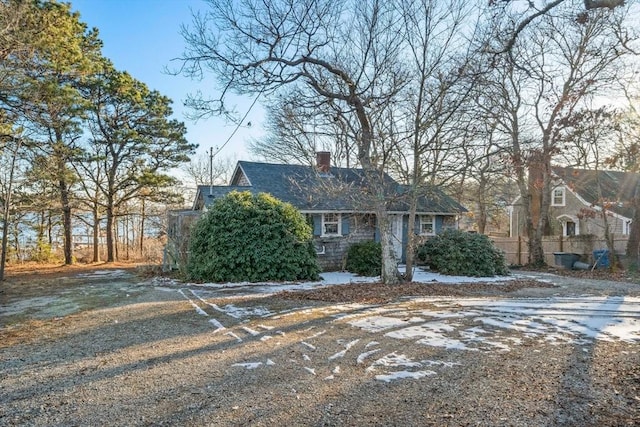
<point>569,228</point>
<point>331,224</point>
<point>570,225</point>
<point>626,228</point>
<point>558,196</point>
<point>427,225</point>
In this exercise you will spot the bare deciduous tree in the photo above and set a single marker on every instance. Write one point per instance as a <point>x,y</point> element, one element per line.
<point>554,67</point>
<point>343,53</point>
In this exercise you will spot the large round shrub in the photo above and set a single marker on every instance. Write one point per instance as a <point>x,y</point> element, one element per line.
<point>365,258</point>
<point>246,237</point>
<point>457,252</point>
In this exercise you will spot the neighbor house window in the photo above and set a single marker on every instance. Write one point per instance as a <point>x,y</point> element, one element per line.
<point>331,224</point>
<point>558,197</point>
<point>427,224</point>
<point>569,228</point>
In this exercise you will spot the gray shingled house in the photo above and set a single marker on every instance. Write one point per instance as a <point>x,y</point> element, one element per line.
<point>578,197</point>
<point>333,202</point>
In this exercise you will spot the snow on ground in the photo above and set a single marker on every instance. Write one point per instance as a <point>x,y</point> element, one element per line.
<point>457,324</point>
<point>488,324</point>
<point>327,279</point>
<point>107,274</point>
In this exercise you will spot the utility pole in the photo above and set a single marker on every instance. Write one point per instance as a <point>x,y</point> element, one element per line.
<point>211,166</point>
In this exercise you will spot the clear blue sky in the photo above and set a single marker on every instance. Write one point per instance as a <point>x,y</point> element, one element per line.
<point>142,37</point>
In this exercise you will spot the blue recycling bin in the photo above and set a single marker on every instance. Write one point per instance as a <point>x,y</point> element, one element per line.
<point>601,258</point>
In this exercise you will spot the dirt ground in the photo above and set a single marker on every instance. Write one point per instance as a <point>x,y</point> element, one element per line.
<point>113,345</point>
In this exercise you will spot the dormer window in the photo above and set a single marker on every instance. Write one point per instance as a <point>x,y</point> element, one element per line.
<point>558,196</point>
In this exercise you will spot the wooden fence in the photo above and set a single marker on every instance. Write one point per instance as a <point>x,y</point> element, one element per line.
<point>516,249</point>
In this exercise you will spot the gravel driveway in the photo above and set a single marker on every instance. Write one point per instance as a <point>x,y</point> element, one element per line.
<point>109,348</point>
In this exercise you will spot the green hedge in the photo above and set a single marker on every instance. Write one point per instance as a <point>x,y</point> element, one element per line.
<point>457,252</point>
<point>246,237</point>
<point>365,259</point>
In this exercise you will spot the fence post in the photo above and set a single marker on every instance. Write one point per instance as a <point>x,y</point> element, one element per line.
<point>519,250</point>
<point>561,244</point>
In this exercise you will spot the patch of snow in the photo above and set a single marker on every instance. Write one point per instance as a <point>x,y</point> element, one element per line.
<point>105,274</point>
<point>430,335</point>
<point>366,354</point>
<point>343,352</point>
<point>218,325</point>
<point>249,365</point>
<point>394,359</point>
<point>199,310</point>
<point>377,323</point>
<point>250,331</point>
<point>317,334</point>
<point>311,346</point>
<point>404,374</point>
<point>231,334</point>
<point>338,355</point>
<point>243,312</point>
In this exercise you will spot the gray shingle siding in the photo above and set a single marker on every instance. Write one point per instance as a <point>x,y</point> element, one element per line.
<point>341,190</point>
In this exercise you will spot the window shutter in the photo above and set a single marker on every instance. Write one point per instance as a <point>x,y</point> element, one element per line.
<point>317,224</point>
<point>416,225</point>
<point>345,225</point>
<point>437,226</point>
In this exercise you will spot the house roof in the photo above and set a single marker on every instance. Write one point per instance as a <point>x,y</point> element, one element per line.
<point>340,189</point>
<point>615,187</point>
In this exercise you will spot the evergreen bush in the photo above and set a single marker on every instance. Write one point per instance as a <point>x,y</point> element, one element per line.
<point>42,252</point>
<point>246,237</point>
<point>457,252</point>
<point>365,258</point>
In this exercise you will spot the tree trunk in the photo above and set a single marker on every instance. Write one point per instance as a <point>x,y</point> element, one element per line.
<point>6,212</point>
<point>633,244</point>
<point>411,238</point>
<point>50,229</point>
<point>540,190</point>
<point>389,273</point>
<point>126,237</point>
<point>116,237</point>
<point>142,228</point>
<point>96,234</point>
<point>66,223</point>
<point>65,202</point>
<point>482,209</point>
<point>109,232</point>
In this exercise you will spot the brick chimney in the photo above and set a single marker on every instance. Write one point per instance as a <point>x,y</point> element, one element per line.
<point>323,161</point>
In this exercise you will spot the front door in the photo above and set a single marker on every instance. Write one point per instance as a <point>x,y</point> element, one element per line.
<point>396,231</point>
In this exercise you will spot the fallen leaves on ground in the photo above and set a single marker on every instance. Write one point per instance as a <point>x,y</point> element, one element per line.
<point>378,293</point>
